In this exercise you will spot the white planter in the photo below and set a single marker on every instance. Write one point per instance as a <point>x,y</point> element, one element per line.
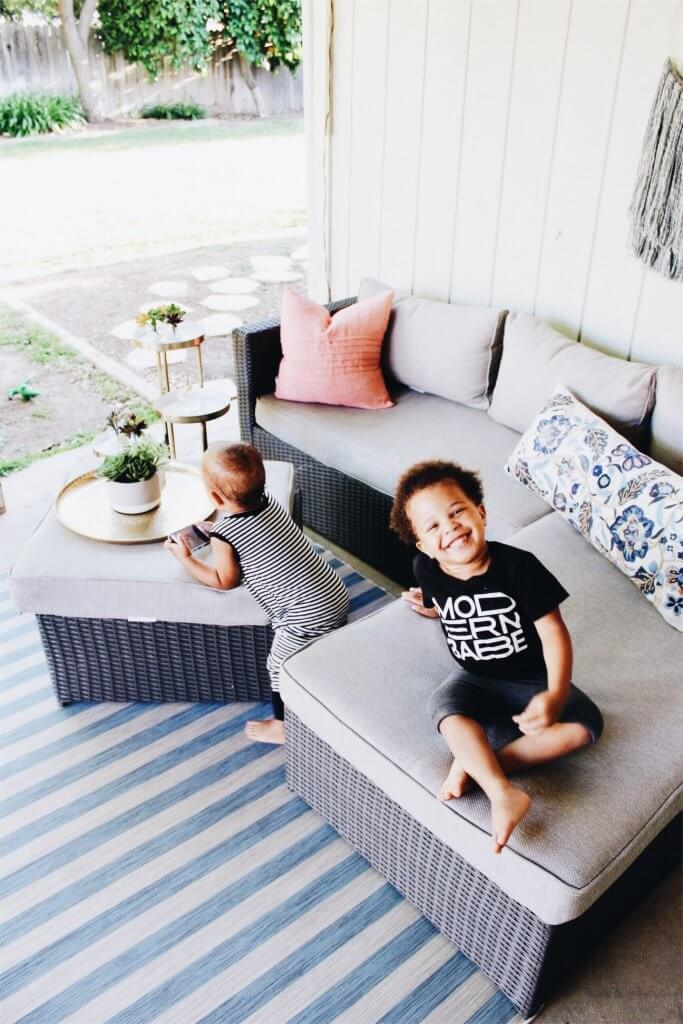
<point>134,498</point>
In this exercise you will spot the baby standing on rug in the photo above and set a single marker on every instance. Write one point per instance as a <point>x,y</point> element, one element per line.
<point>499,611</point>
<point>258,543</point>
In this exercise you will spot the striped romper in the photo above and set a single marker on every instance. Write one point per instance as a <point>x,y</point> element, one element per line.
<point>301,594</point>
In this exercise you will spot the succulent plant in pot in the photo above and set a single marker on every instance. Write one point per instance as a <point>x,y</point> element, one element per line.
<point>132,475</point>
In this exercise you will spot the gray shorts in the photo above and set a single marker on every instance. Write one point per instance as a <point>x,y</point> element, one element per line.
<point>491,702</point>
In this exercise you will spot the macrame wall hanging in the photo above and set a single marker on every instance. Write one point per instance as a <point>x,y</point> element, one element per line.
<point>657,206</point>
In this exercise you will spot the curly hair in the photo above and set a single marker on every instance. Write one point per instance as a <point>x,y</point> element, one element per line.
<point>423,475</point>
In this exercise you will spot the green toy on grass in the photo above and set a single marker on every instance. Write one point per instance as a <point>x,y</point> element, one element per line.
<point>24,391</point>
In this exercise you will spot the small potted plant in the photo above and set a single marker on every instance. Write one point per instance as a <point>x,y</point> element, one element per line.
<point>132,475</point>
<point>169,317</point>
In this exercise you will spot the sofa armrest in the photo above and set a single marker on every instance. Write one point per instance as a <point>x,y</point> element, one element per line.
<point>257,353</point>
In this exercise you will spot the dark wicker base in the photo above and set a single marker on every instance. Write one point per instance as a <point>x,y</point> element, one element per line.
<point>521,954</point>
<point>114,659</point>
<point>351,514</point>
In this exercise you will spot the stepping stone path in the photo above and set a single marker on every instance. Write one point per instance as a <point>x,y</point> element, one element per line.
<point>276,276</point>
<point>271,262</point>
<point>169,290</point>
<point>126,330</point>
<point>218,324</point>
<point>209,273</point>
<point>224,302</point>
<point>235,285</point>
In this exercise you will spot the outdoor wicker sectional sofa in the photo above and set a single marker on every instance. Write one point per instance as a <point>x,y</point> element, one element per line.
<point>361,749</point>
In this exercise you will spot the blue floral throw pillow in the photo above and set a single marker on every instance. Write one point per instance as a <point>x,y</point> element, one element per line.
<point>628,506</point>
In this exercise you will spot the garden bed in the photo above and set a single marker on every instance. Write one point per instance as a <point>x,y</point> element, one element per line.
<point>73,400</point>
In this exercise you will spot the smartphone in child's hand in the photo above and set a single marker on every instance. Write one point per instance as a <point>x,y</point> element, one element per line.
<point>194,536</point>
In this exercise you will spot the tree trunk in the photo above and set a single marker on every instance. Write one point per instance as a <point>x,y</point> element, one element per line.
<point>252,85</point>
<point>75,37</point>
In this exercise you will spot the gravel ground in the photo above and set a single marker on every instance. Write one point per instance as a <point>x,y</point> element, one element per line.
<point>90,304</point>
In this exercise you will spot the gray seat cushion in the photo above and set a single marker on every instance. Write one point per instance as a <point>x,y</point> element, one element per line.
<point>364,690</point>
<point>61,573</point>
<point>376,446</point>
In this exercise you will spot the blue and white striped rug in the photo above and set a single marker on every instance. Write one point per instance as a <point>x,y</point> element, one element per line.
<point>155,867</point>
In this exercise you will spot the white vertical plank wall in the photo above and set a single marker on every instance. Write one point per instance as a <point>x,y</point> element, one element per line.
<point>484,152</point>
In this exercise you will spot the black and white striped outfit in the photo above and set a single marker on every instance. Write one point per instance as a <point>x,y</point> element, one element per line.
<point>301,594</point>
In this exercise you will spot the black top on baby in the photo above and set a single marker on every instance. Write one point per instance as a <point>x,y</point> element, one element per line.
<point>488,620</point>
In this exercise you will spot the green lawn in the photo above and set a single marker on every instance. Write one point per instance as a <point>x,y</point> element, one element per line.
<point>119,193</point>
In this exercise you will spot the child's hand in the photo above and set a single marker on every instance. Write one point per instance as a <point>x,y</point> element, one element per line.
<point>541,711</point>
<point>178,549</point>
<point>414,599</point>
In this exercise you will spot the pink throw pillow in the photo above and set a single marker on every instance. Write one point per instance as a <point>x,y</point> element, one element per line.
<point>333,359</point>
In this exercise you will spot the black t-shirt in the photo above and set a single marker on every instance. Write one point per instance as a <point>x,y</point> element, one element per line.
<point>488,620</point>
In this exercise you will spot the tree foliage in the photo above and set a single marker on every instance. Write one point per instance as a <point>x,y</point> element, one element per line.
<point>266,32</point>
<point>147,32</point>
<point>186,32</point>
<point>15,9</point>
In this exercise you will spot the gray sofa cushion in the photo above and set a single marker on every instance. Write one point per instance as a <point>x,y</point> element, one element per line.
<point>536,359</point>
<point>60,573</point>
<point>438,347</point>
<point>667,418</point>
<point>364,690</point>
<point>377,446</point>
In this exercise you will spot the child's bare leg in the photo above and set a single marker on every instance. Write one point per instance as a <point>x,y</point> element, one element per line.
<point>467,741</point>
<point>270,730</point>
<point>555,741</point>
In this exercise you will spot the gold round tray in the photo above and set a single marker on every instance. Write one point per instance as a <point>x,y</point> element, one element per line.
<point>83,506</point>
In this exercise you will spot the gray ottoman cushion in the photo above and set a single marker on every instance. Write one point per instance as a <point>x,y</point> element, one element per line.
<point>364,690</point>
<point>376,446</point>
<point>61,573</point>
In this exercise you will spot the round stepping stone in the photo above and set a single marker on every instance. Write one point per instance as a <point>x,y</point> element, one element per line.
<point>218,324</point>
<point>271,262</point>
<point>230,301</point>
<point>141,359</point>
<point>125,331</point>
<point>301,253</point>
<point>209,273</point>
<point>234,285</point>
<point>152,305</point>
<point>276,276</point>
<point>168,289</point>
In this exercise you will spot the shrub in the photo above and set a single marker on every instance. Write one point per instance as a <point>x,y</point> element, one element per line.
<point>174,112</point>
<point>36,113</point>
<point>136,461</point>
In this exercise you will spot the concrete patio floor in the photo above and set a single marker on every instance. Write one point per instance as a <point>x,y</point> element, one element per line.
<point>633,978</point>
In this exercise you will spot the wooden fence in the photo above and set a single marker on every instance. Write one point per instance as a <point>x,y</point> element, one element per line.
<point>33,58</point>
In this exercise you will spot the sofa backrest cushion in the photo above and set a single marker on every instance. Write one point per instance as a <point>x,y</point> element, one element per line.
<point>333,359</point>
<point>537,358</point>
<point>629,507</point>
<point>439,348</point>
<point>667,418</point>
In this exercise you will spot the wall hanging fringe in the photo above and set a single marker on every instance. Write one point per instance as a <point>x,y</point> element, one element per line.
<point>657,206</point>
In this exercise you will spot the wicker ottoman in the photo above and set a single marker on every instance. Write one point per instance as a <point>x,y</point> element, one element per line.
<point>362,751</point>
<point>127,623</point>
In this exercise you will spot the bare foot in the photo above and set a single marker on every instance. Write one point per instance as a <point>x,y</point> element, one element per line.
<point>455,784</point>
<point>271,730</point>
<point>507,810</point>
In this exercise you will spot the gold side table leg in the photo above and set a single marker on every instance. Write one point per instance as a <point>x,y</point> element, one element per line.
<point>163,388</point>
<point>200,368</point>
<point>170,429</point>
